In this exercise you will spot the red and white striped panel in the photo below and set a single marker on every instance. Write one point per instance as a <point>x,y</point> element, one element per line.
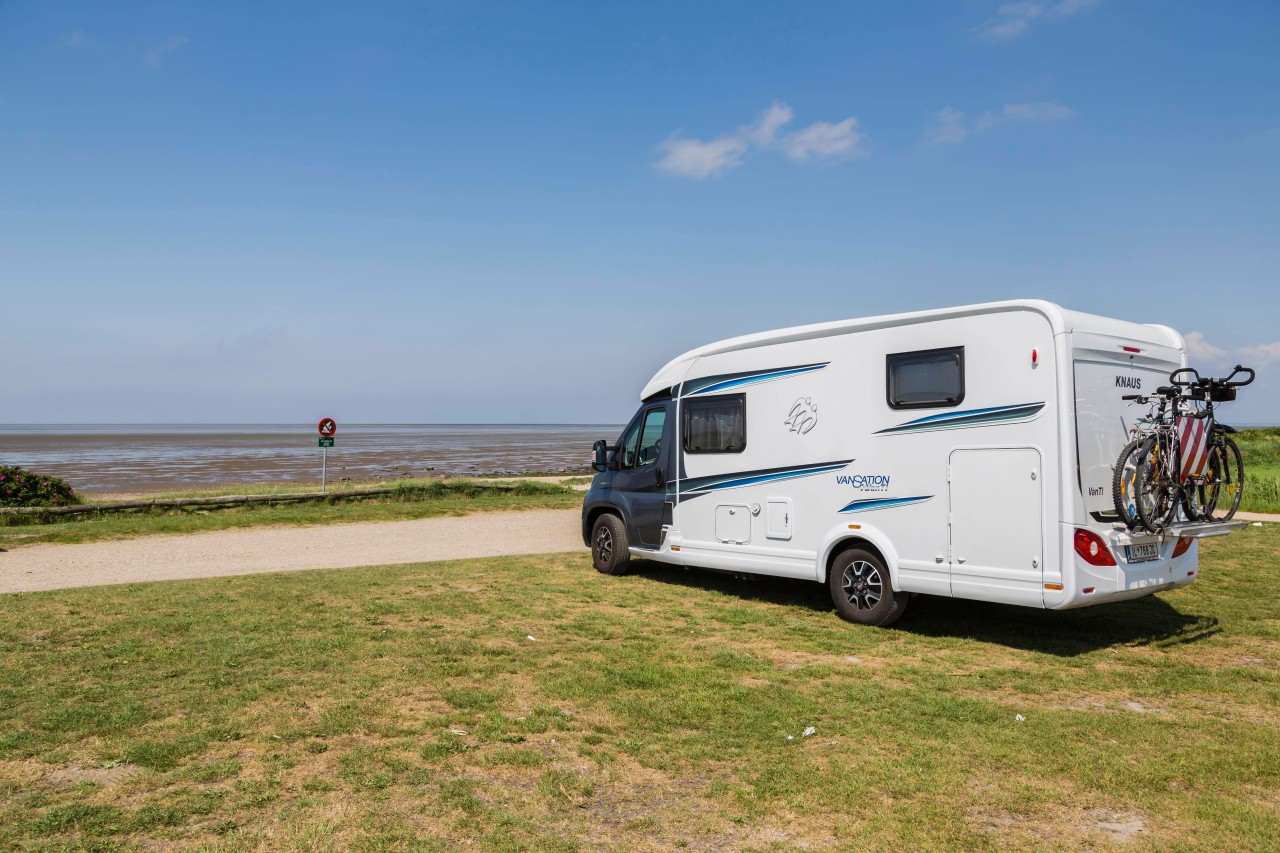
<point>1193,433</point>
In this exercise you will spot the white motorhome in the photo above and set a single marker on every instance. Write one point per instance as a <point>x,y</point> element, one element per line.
<point>961,452</point>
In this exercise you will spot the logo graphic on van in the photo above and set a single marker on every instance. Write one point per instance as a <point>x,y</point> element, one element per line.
<point>865,482</point>
<point>1133,383</point>
<point>884,503</point>
<point>803,416</point>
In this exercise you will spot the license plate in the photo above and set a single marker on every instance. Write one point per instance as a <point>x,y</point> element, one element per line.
<point>1142,553</point>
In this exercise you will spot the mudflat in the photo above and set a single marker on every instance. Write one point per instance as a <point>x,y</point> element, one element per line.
<point>226,553</point>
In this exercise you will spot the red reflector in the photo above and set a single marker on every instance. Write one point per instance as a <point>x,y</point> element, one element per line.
<point>1035,357</point>
<point>1131,349</point>
<point>1190,574</point>
<point>1184,542</point>
<point>1090,546</point>
<point>1088,590</point>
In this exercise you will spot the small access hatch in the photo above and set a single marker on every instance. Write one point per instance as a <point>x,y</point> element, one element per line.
<point>778,518</point>
<point>733,524</point>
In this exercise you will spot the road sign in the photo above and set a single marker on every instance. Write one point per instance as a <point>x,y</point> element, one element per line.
<point>327,427</point>
<point>326,442</point>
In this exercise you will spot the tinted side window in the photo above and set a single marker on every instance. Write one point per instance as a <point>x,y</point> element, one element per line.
<point>926,379</point>
<point>715,424</point>
<point>651,436</point>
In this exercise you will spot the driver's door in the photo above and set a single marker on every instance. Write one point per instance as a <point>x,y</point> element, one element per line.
<point>640,483</point>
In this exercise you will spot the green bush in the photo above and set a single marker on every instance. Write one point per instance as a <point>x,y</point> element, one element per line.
<point>19,487</point>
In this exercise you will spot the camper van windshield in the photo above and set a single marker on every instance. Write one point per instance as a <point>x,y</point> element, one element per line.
<point>927,378</point>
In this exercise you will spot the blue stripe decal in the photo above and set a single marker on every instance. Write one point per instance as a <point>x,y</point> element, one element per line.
<point>728,381</point>
<point>694,487</point>
<point>884,503</point>
<point>968,418</point>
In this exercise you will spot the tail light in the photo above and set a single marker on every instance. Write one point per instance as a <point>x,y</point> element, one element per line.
<point>1184,543</point>
<point>1090,546</point>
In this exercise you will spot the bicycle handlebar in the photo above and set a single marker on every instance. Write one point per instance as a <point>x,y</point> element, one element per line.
<point>1173,377</point>
<point>1238,369</point>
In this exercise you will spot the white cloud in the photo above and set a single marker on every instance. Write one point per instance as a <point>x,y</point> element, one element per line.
<point>1041,111</point>
<point>1014,20</point>
<point>765,130</point>
<point>824,140</point>
<point>154,57</point>
<point>1258,354</point>
<point>1198,347</point>
<point>1252,355</point>
<point>950,128</point>
<point>693,158</point>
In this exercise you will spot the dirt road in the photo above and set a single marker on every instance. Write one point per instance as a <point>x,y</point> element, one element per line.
<point>285,549</point>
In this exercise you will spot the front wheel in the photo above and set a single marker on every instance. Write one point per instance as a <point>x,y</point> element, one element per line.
<point>609,553</point>
<point>1230,482</point>
<point>860,588</point>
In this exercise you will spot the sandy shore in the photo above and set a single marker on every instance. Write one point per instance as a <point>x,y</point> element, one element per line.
<point>287,549</point>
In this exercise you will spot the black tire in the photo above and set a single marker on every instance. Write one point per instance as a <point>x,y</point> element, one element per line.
<point>609,552</point>
<point>1156,501</point>
<point>862,591</point>
<point>1231,489</point>
<point>1122,485</point>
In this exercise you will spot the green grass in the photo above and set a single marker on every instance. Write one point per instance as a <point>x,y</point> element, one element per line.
<point>1260,449</point>
<point>412,499</point>
<point>406,708</point>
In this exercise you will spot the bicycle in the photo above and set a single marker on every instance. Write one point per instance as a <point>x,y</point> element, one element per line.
<point>1188,459</point>
<point>1223,467</point>
<point>1123,480</point>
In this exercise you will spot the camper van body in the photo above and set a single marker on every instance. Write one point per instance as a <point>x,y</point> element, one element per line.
<point>977,495</point>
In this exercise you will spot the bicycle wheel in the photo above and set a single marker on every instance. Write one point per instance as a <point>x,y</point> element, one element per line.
<point>1123,483</point>
<point>1200,495</point>
<point>1231,488</point>
<point>1154,489</point>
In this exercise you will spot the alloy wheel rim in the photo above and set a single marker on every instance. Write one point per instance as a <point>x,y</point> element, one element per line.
<point>604,545</point>
<point>862,585</point>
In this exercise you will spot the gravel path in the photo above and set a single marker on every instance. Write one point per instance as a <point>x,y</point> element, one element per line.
<point>288,549</point>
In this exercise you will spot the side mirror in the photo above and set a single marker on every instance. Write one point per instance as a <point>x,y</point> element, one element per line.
<point>600,456</point>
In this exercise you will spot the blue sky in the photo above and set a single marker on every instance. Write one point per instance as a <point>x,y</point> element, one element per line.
<point>517,212</point>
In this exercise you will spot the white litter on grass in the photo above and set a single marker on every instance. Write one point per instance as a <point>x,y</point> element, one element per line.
<point>531,637</point>
<point>791,737</point>
<point>1257,524</point>
<point>1020,718</point>
<point>456,732</point>
<point>810,731</point>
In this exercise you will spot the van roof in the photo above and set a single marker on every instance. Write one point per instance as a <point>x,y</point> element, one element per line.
<point>1060,319</point>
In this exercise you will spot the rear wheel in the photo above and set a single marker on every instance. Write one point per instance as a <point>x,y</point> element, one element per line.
<point>1123,484</point>
<point>1155,494</point>
<point>861,590</point>
<point>609,553</point>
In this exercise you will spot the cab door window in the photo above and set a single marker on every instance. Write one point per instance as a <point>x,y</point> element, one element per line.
<point>651,437</point>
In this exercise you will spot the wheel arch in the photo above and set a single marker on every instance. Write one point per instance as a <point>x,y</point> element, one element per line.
<point>590,517</point>
<point>869,539</point>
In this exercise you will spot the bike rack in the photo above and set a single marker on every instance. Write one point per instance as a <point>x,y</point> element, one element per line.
<point>1192,529</point>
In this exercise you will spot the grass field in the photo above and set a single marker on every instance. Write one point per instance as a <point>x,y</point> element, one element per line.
<point>532,704</point>
<point>413,499</point>
<point>1260,449</point>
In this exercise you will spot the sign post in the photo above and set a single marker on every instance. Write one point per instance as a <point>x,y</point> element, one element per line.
<point>327,427</point>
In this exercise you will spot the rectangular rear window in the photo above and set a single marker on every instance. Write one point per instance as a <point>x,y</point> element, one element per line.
<point>926,379</point>
<point>715,424</point>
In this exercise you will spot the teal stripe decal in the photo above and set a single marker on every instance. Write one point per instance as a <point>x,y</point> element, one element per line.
<point>884,503</point>
<point>969,418</point>
<point>730,381</point>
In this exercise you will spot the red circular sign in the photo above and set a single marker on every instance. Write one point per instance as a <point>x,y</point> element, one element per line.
<point>327,427</point>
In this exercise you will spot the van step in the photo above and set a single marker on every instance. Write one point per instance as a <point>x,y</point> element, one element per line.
<point>1191,529</point>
